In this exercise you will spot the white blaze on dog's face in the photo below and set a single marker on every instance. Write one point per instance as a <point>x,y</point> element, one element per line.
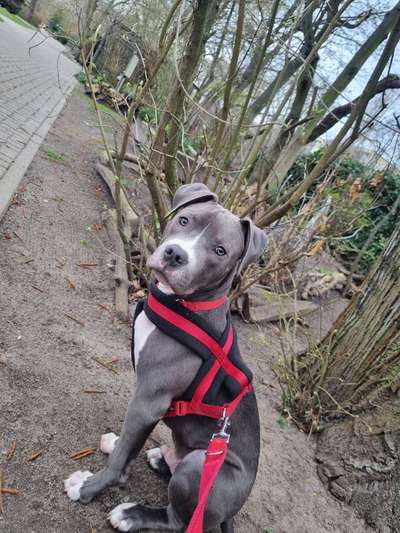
<point>202,246</point>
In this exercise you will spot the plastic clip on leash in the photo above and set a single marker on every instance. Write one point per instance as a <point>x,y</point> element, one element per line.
<point>215,457</point>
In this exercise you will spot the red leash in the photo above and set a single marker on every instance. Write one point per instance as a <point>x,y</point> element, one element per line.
<point>215,457</point>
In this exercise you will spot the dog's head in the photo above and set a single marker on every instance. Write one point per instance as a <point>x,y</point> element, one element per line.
<point>204,246</point>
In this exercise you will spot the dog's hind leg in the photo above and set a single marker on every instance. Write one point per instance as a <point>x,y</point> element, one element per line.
<point>163,460</point>
<point>135,517</point>
<point>227,526</point>
<point>157,462</point>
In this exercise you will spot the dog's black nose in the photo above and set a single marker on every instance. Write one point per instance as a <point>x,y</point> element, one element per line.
<point>174,255</point>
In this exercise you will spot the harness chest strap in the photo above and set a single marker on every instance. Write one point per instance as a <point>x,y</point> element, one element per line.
<point>197,405</point>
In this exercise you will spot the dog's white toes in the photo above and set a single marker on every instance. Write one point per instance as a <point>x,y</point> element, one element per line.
<point>73,484</point>
<point>153,456</point>
<point>116,517</point>
<point>107,442</point>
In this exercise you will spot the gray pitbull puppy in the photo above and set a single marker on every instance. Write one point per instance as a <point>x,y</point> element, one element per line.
<point>203,249</point>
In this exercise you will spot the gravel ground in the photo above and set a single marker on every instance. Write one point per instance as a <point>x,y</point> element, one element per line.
<point>56,318</point>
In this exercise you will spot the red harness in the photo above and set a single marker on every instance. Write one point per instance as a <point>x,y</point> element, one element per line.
<point>221,383</point>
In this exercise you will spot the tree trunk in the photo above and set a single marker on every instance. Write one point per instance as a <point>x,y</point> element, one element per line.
<point>217,54</point>
<point>204,13</point>
<point>32,8</point>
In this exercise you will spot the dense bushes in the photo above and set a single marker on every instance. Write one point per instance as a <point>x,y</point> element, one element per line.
<point>55,25</point>
<point>13,6</point>
<point>363,206</point>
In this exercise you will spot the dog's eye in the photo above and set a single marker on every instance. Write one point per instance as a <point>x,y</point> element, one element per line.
<point>220,250</point>
<point>183,221</point>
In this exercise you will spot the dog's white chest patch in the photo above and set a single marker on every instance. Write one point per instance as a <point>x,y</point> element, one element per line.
<point>143,329</point>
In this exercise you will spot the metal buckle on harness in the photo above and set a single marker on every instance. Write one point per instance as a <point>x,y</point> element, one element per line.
<point>224,424</point>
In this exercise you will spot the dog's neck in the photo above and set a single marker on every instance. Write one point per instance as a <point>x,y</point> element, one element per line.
<point>217,316</point>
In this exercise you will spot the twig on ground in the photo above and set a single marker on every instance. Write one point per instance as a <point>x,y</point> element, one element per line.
<point>71,284</point>
<point>107,364</point>
<point>94,391</point>
<point>86,265</point>
<point>11,451</point>
<point>18,237</point>
<point>35,455</point>
<point>85,452</point>
<point>77,320</point>
<point>5,490</point>
<point>10,491</point>
<point>37,288</point>
<point>105,308</point>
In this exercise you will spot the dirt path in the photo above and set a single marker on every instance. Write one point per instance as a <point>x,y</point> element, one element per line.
<point>47,361</point>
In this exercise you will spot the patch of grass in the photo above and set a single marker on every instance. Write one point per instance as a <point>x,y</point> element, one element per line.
<point>102,108</point>
<point>16,18</point>
<point>282,421</point>
<point>55,156</point>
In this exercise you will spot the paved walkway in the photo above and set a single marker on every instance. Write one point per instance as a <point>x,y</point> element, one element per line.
<point>33,87</point>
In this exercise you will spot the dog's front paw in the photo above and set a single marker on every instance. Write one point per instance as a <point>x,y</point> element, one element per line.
<point>74,483</point>
<point>108,442</point>
<point>118,518</point>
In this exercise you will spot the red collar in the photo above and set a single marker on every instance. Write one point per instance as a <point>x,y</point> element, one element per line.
<point>204,306</point>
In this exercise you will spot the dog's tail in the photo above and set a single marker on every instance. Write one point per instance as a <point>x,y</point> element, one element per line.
<point>227,526</point>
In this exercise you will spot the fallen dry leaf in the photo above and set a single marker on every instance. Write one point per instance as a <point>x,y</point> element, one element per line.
<point>139,294</point>
<point>377,179</point>
<point>71,284</point>
<point>136,285</point>
<point>355,190</point>
<point>316,248</point>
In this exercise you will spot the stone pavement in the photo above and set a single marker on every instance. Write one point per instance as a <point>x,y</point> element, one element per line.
<point>33,88</point>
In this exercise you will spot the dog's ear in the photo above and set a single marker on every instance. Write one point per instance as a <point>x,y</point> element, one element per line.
<point>255,242</point>
<point>191,193</point>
